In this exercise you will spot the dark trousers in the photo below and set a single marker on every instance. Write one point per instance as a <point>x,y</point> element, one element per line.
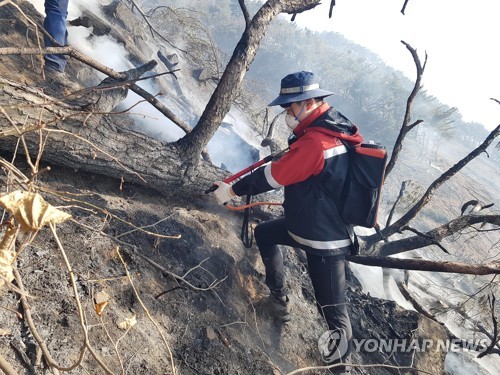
<point>56,12</point>
<point>327,274</point>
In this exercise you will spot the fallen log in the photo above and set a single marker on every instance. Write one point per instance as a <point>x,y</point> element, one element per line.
<point>427,265</point>
<point>93,142</point>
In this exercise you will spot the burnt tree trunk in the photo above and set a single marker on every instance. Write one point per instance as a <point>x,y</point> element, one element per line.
<point>230,83</point>
<point>91,142</point>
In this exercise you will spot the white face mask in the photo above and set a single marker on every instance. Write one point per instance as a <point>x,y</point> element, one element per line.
<point>291,122</point>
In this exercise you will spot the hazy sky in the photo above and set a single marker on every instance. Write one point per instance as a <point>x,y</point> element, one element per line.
<point>461,38</point>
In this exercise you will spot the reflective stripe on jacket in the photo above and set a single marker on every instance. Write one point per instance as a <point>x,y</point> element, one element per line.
<point>313,172</point>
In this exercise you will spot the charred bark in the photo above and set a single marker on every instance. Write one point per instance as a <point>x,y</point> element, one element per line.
<point>91,142</point>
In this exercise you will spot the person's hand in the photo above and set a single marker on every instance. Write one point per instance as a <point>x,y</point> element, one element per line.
<point>224,192</point>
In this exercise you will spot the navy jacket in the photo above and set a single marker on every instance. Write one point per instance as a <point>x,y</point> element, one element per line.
<point>313,172</point>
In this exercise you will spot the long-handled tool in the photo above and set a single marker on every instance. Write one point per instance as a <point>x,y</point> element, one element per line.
<point>248,169</point>
<point>246,236</point>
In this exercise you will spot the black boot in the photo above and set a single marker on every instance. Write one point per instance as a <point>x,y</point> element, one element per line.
<point>279,307</point>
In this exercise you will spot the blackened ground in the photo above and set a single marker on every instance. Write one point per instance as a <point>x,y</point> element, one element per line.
<point>219,331</point>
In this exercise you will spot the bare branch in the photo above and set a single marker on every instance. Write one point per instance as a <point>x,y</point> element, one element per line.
<point>214,284</point>
<point>403,288</point>
<point>330,12</point>
<point>405,219</point>
<point>427,265</point>
<point>81,314</point>
<point>304,369</point>
<point>4,365</point>
<point>155,323</point>
<point>494,339</point>
<point>244,9</point>
<point>404,7</point>
<point>457,341</point>
<point>418,233</point>
<point>43,346</point>
<point>405,128</point>
<point>269,139</point>
<point>400,195</point>
<point>151,28</point>
<point>432,236</point>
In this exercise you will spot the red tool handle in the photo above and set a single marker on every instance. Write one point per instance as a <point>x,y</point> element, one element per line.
<point>242,172</point>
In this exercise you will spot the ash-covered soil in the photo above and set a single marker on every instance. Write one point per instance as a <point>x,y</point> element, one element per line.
<point>160,282</point>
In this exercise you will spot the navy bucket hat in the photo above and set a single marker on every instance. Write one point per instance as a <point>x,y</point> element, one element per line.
<point>299,86</point>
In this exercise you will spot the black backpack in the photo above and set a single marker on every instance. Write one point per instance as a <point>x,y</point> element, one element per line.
<point>363,187</point>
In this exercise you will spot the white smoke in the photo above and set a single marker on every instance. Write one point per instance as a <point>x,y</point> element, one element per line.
<point>109,52</point>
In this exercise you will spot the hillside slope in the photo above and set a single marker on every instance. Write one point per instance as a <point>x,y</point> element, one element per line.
<point>117,248</point>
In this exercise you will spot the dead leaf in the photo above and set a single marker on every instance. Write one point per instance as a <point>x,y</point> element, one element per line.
<point>99,307</point>
<point>101,300</point>
<point>31,211</point>
<point>127,323</point>
<point>7,256</point>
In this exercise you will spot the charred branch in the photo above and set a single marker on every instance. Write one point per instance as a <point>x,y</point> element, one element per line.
<point>494,339</point>
<point>406,218</point>
<point>310,5</point>
<point>269,141</point>
<point>427,265</point>
<point>151,28</point>
<point>431,237</point>
<point>456,340</point>
<point>330,12</point>
<point>244,9</point>
<point>418,233</point>
<point>404,7</point>
<point>406,126</point>
<point>400,195</point>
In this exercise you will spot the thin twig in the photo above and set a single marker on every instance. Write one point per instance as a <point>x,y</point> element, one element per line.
<point>78,303</point>
<point>421,234</point>
<point>489,349</point>
<point>142,228</point>
<point>5,366</point>
<point>213,285</point>
<point>41,343</point>
<point>115,343</point>
<point>125,267</point>
<point>104,211</point>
